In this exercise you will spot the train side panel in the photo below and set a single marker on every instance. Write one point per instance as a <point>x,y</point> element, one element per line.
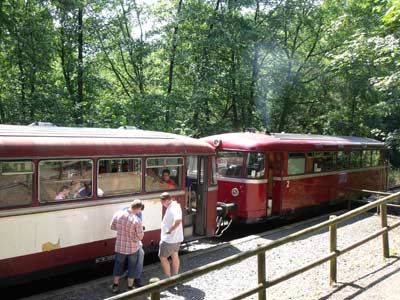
<point>55,238</point>
<point>305,191</point>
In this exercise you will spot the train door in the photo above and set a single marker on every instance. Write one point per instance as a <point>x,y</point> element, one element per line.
<point>274,182</point>
<point>270,177</point>
<point>196,195</point>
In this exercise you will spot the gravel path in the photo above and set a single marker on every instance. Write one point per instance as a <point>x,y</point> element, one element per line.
<point>363,273</point>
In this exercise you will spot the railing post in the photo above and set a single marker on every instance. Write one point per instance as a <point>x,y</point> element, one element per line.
<point>154,295</point>
<point>332,248</point>
<point>385,235</point>
<point>261,273</point>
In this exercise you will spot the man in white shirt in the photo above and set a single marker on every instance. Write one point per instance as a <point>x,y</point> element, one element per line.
<point>171,234</point>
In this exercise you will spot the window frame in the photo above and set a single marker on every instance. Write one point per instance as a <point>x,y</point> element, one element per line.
<point>242,166</point>
<point>33,173</point>
<point>214,177</point>
<point>304,160</point>
<point>62,200</point>
<point>119,158</point>
<point>181,164</point>
<point>264,166</point>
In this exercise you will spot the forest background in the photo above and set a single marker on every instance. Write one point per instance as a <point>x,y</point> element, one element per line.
<point>200,67</point>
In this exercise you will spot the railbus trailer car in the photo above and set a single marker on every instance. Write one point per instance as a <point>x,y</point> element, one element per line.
<point>263,176</point>
<point>96,172</point>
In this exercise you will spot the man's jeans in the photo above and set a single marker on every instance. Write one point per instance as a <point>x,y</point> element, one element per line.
<point>135,264</point>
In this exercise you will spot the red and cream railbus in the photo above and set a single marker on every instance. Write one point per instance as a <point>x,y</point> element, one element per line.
<point>262,176</point>
<point>59,188</point>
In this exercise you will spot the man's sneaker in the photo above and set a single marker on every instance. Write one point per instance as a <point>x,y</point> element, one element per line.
<point>115,288</point>
<point>137,282</point>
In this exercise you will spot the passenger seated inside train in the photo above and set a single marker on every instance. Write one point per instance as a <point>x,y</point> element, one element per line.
<point>62,193</point>
<point>153,181</point>
<point>85,191</point>
<point>166,179</point>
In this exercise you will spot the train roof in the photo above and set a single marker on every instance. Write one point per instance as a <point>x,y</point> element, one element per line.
<point>39,141</point>
<point>248,141</point>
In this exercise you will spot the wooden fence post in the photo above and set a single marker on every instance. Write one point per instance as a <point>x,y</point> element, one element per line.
<point>261,273</point>
<point>154,295</point>
<point>385,235</point>
<point>333,248</point>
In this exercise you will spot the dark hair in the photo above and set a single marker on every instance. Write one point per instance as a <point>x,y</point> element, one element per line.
<point>166,171</point>
<point>87,184</point>
<point>64,187</point>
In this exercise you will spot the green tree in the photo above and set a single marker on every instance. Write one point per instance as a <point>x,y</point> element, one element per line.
<point>25,57</point>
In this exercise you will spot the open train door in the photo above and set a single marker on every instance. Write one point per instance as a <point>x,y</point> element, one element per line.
<point>270,177</point>
<point>196,195</point>
<point>274,175</point>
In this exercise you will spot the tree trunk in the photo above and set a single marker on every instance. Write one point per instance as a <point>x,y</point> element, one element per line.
<point>173,50</point>
<point>203,106</point>
<point>254,76</point>
<point>236,121</point>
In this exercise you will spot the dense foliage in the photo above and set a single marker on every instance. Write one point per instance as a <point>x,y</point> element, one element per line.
<point>200,67</point>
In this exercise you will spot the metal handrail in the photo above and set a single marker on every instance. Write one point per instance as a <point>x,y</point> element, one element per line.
<point>156,286</point>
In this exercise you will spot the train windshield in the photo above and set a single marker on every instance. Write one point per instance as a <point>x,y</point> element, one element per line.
<point>230,163</point>
<point>255,165</point>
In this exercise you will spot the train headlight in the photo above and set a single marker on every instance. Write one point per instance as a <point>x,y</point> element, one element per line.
<point>235,192</point>
<point>217,142</point>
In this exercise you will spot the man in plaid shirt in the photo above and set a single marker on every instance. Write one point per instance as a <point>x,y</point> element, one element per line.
<point>127,245</point>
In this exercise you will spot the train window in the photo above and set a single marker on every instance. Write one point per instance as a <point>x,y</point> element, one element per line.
<point>296,163</point>
<point>230,163</point>
<point>119,176</point>
<point>343,160</point>
<point>318,162</point>
<point>255,165</point>
<point>376,158</point>
<point>163,173</point>
<point>65,179</point>
<point>324,161</point>
<point>366,158</point>
<point>16,183</point>
<point>355,159</point>
<point>329,161</point>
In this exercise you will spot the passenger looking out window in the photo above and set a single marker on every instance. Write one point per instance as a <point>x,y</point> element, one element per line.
<point>166,179</point>
<point>163,173</point>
